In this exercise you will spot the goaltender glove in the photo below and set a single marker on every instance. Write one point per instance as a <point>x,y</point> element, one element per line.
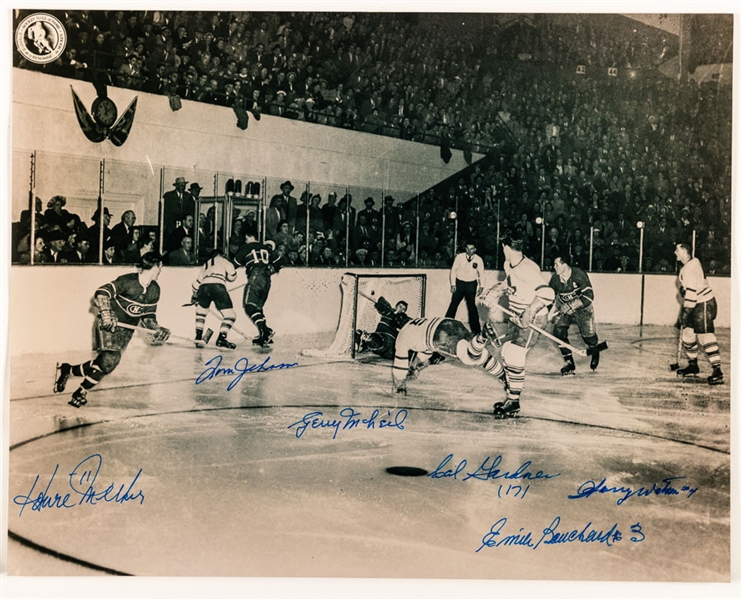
<point>108,320</point>
<point>161,334</point>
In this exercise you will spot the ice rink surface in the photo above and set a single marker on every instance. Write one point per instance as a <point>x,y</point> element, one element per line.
<point>233,485</point>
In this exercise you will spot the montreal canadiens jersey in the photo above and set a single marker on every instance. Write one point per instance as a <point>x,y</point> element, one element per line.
<point>695,286</point>
<point>256,255</point>
<point>576,286</point>
<point>130,301</point>
<point>523,280</point>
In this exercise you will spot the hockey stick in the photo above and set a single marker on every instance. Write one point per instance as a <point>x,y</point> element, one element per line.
<point>131,327</point>
<point>209,333</point>
<point>368,297</point>
<point>590,351</point>
<point>675,366</point>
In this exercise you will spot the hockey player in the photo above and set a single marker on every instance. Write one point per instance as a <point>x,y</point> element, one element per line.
<point>697,317</point>
<point>574,304</point>
<point>210,288</point>
<point>422,338</point>
<point>529,298</point>
<point>382,341</point>
<point>259,261</point>
<point>130,299</point>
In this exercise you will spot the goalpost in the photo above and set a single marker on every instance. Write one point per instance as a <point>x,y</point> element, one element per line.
<point>360,292</point>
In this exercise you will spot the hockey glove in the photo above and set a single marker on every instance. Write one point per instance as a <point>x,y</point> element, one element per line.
<point>194,298</point>
<point>572,306</point>
<point>161,334</point>
<point>108,320</point>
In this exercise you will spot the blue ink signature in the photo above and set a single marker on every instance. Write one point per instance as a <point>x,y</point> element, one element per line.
<point>488,471</point>
<point>349,420</point>
<point>81,481</point>
<point>552,536</point>
<point>590,487</point>
<point>241,367</point>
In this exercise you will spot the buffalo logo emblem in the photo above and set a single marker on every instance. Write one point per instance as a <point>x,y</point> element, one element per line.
<point>40,38</point>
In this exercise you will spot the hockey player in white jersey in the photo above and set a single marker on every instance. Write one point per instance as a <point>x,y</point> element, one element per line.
<point>420,338</point>
<point>210,288</point>
<point>697,317</point>
<point>530,298</point>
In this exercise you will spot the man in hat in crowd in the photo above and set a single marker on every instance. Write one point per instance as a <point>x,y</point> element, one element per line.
<point>56,241</point>
<point>286,204</point>
<point>177,203</point>
<point>372,217</point>
<point>329,209</point>
<point>391,217</point>
<point>195,191</point>
<point>93,233</point>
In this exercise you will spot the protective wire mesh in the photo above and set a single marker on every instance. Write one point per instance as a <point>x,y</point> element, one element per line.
<point>359,295</point>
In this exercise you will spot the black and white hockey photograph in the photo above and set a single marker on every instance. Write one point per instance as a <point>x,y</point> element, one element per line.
<point>357,294</point>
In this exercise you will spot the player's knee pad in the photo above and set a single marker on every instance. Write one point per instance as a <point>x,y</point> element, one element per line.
<point>591,340</point>
<point>107,361</point>
<point>229,314</point>
<point>561,333</point>
<point>462,351</point>
<point>707,339</point>
<point>513,355</point>
<point>688,336</point>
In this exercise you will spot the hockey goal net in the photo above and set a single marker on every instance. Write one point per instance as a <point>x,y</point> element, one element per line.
<point>360,292</point>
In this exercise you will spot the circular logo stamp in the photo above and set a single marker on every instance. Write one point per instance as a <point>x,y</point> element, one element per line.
<point>41,38</point>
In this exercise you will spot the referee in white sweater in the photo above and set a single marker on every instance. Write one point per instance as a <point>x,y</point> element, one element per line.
<point>466,281</point>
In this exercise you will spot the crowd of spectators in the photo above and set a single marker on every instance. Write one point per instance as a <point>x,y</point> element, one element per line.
<point>405,75</point>
<point>589,158</point>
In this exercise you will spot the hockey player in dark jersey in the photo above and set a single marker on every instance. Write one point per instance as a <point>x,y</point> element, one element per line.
<point>130,299</point>
<point>381,342</point>
<point>574,304</point>
<point>210,288</point>
<point>260,262</point>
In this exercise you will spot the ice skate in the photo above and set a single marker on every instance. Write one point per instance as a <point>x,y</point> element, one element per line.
<point>717,377</point>
<point>507,409</point>
<point>223,343</point>
<point>199,340</point>
<point>79,398</point>
<point>265,338</point>
<point>594,362</point>
<point>690,370</point>
<point>570,368</point>
<point>64,371</point>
